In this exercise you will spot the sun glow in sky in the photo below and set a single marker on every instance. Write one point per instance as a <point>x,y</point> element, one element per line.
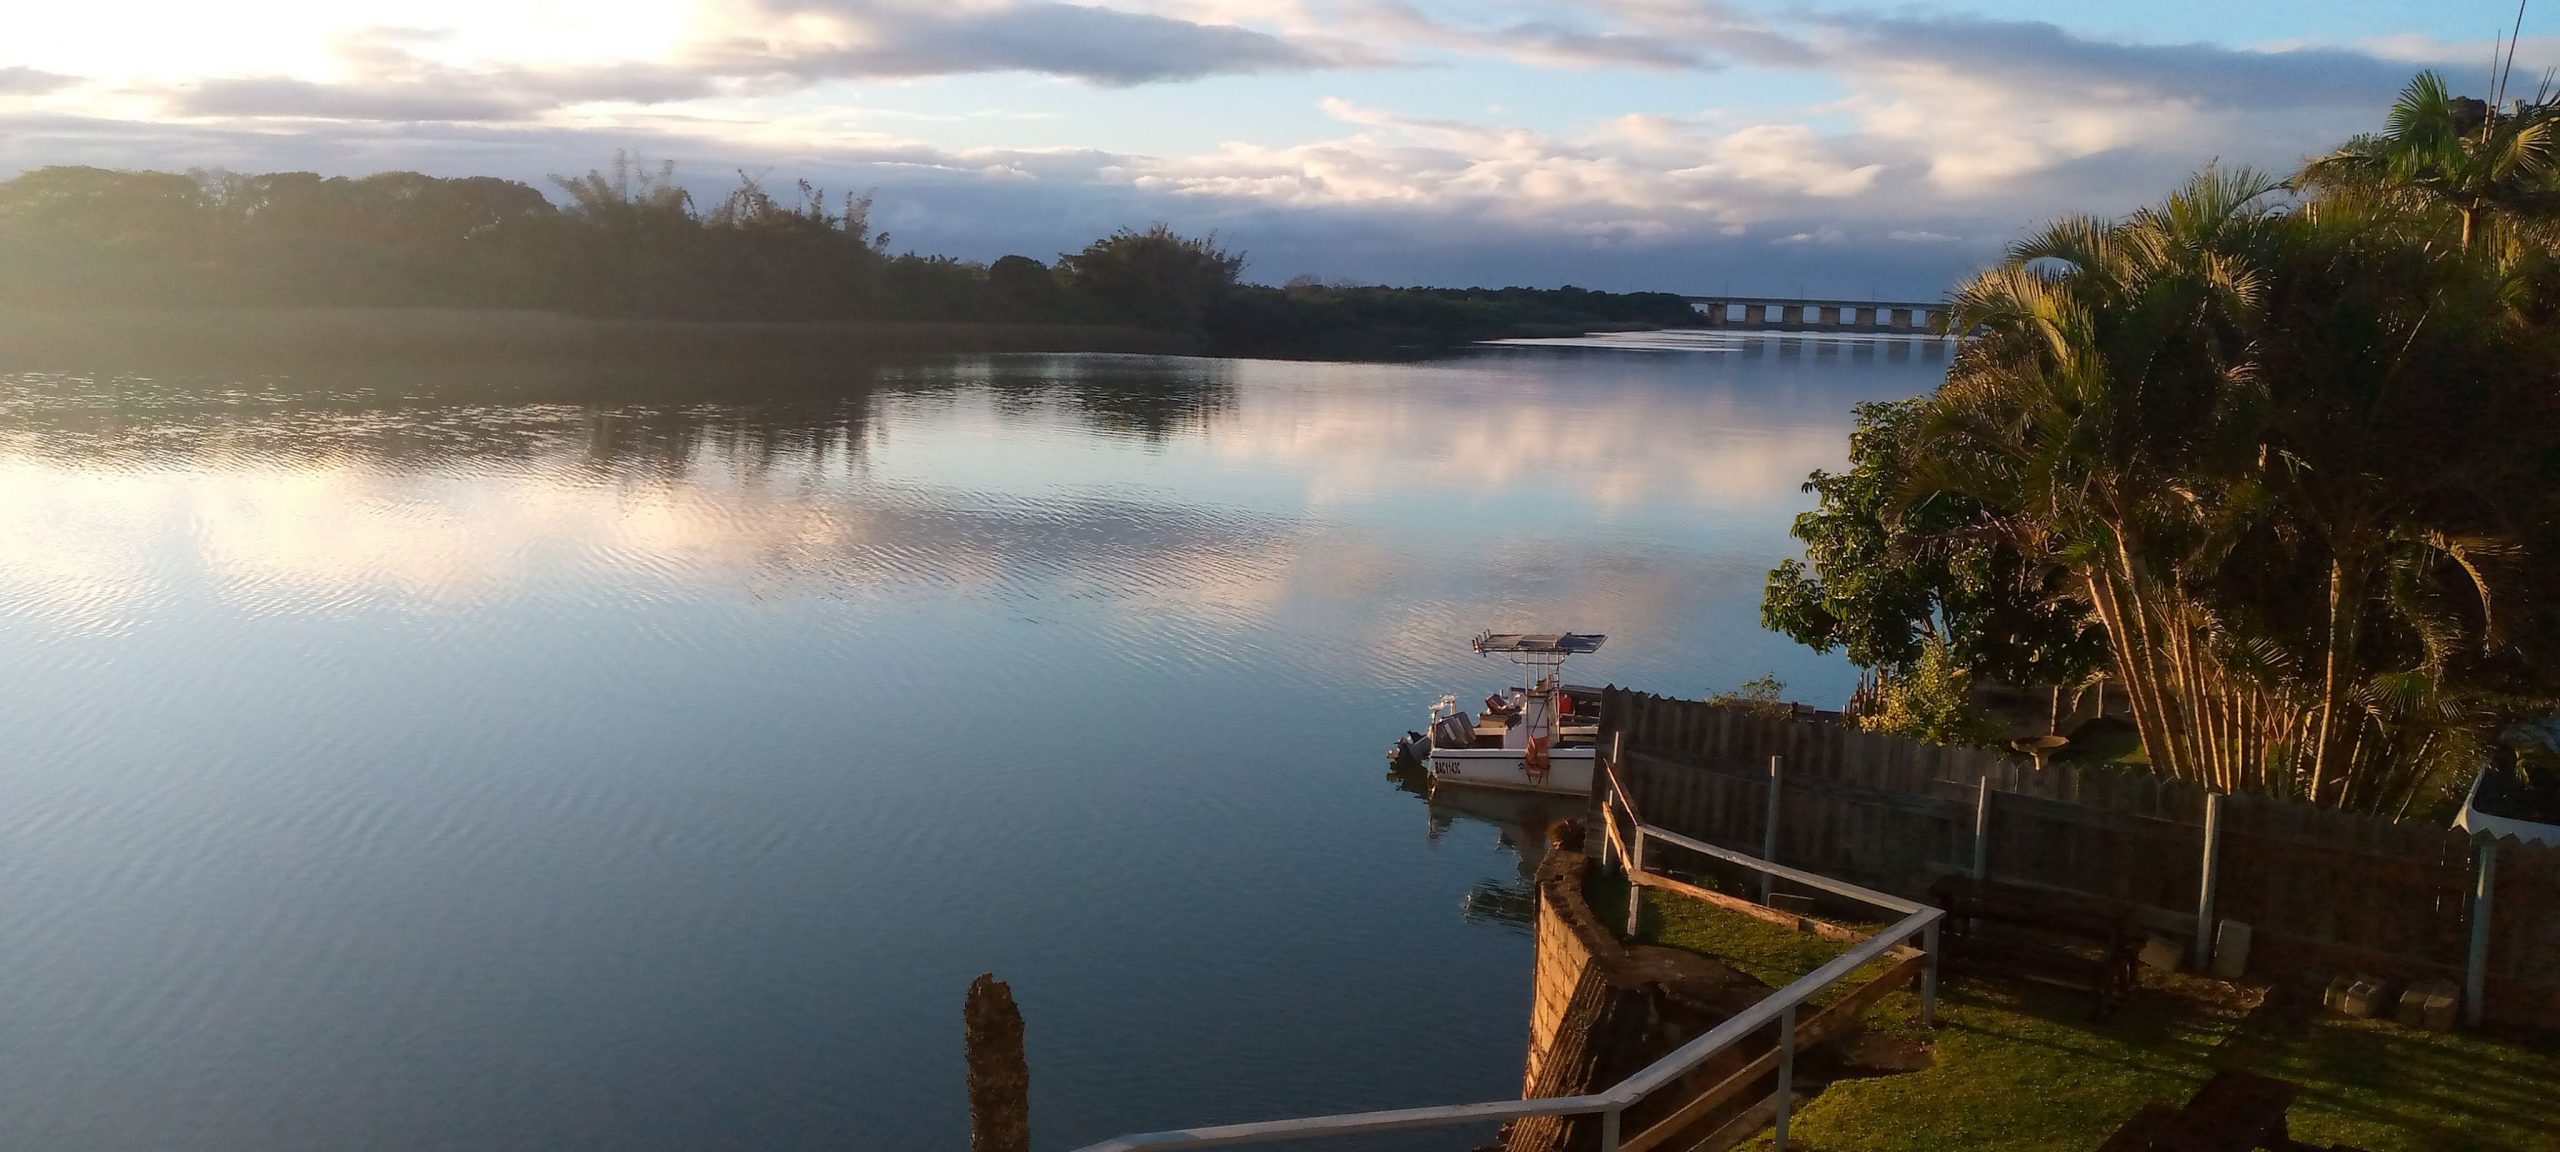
<point>1702,145</point>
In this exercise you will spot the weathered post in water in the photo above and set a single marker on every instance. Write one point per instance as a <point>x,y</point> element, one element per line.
<point>999,1074</point>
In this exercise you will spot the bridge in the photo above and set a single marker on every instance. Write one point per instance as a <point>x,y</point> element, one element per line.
<point>1782,314</point>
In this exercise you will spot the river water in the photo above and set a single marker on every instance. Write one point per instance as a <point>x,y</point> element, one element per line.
<point>388,766</point>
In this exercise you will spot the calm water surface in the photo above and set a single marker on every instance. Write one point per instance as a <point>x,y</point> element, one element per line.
<point>380,771</point>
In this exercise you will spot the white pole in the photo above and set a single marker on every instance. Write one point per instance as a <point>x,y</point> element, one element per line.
<point>1769,833</point>
<point>2475,974</point>
<point>1635,864</point>
<point>1608,793</point>
<point>2212,873</point>
<point>1982,828</point>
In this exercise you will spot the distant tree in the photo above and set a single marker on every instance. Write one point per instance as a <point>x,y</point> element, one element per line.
<point>1023,284</point>
<point>628,240</point>
<point>632,190</point>
<point>1156,277</point>
<point>1762,695</point>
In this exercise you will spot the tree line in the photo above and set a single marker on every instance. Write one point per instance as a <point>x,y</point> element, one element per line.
<point>2279,458</point>
<point>630,241</point>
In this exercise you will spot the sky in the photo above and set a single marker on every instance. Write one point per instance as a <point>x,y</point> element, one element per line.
<point>1698,146</point>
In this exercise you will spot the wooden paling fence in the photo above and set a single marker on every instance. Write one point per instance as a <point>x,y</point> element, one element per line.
<point>2319,889</point>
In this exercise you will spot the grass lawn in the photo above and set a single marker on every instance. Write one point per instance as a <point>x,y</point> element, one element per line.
<point>2020,1067</point>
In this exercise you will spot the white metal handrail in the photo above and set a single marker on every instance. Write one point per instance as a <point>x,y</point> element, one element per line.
<point>1778,1007</point>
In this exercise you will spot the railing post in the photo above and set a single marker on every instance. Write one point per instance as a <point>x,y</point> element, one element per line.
<point>1609,1130</point>
<point>1982,828</point>
<point>1786,1072</point>
<point>1605,788</point>
<point>2475,971</point>
<point>1635,864</point>
<point>2212,872</point>
<point>1929,976</point>
<point>1769,833</point>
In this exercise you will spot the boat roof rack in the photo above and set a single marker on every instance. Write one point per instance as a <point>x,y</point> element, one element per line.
<point>1558,643</point>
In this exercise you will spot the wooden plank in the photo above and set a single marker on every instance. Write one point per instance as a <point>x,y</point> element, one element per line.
<point>1825,1025</point>
<point>1724,1092</point>
<point>2082,815</point>
<point>1919,805</point>
<point>1822,928</point>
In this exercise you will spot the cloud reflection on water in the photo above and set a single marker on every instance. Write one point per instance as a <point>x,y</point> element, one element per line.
<point>1613,489</point>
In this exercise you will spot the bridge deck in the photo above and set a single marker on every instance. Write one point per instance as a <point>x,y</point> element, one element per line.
<point>1792,314</point>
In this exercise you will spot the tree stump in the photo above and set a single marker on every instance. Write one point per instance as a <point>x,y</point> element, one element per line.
<point>999,1074</point>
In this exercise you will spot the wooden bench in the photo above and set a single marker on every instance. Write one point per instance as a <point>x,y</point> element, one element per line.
<point>2112,928</point>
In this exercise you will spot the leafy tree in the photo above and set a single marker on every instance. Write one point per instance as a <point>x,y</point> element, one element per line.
<point>1927,700</point>
<point>1156,277</point>
<point>1762,695</point>
<point>1026,286</point>
<point>1887,578</point>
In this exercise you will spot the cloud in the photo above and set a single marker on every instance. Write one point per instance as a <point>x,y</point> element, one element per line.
<point>1931,138</point>
<point>763,43</point>
<point>277,96</point>
<point>19,80</point>
<point>1106,46</point>
<point>2037,56</point>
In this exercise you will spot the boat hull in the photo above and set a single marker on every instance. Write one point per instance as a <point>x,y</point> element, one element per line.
<point>1568,770</point>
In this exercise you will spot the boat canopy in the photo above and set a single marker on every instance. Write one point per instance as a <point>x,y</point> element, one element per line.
<point>1550,643</point>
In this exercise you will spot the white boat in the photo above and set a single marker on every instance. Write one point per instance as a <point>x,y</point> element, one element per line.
<point>1539,737</point>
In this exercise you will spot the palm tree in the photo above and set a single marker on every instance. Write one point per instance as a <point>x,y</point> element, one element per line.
<point>2218,404</point>
<point>2491,169</point>
<point>2108,392</point>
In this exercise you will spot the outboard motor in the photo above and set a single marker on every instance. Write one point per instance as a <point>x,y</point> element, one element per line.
<point>1411,754</point>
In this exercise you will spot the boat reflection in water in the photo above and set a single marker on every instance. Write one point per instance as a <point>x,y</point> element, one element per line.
<point>1524,822</point>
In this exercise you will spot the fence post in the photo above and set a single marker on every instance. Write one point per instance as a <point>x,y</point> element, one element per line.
<point>1609,1130</point>
<point>1982,828</point>
<point>1929,976</point>
<point>1769,833</point>
<point>1635,864</point>
<point>2212,874</point>
<point>2475,973</point>
<point>1786,1071</point>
